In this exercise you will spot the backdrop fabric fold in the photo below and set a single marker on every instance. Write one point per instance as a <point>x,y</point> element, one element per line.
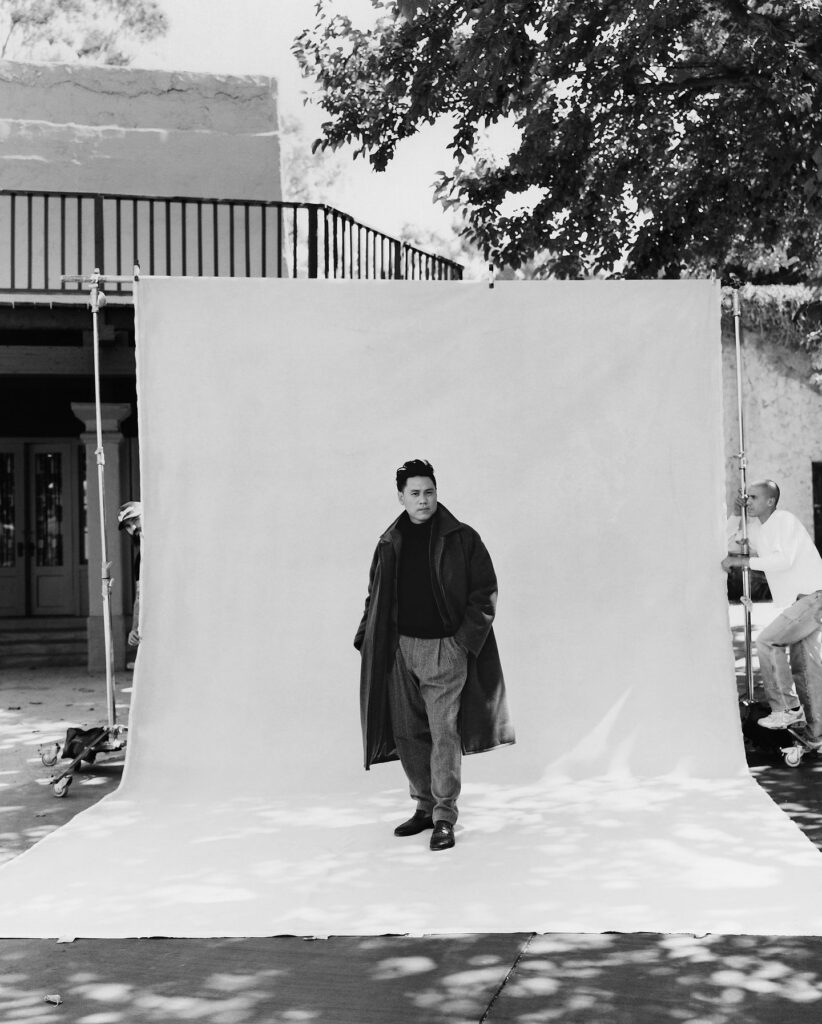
<point>577,426</point>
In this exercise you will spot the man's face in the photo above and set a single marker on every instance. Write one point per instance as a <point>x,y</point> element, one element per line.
<point>134,527</point>
<point>419,498</point>
<point>759,502</point>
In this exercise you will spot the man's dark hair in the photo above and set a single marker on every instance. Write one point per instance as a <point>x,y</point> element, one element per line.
<point>414,467</point>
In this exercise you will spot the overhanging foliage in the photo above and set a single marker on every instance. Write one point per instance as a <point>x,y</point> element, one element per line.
<point>786,315</point>
<point>655,137</point>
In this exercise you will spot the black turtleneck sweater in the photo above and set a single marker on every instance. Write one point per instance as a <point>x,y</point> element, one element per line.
<point>417,613</point>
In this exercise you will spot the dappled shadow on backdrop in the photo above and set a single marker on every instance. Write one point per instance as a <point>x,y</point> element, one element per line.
<point>638,856</point>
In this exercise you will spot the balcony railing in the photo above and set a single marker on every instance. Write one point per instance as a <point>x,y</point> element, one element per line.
<point>46,235</point>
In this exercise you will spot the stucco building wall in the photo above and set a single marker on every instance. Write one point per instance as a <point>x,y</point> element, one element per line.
<point>782,415</point>
<point>89,128</point>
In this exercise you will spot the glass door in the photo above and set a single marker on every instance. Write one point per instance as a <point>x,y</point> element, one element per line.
<point>52,529</point>
<point>41,541</point>
<point>13,549</point>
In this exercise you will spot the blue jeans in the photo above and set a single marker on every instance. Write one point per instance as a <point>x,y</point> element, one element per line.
<point>424,690</point>
<point>798,631</point>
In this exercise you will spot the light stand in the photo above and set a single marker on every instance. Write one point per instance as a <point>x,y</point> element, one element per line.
<point>743,487</point>
<point>111,737</point>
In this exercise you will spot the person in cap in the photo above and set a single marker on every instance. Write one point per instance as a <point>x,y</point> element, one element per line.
<point>431,684</point>
<point>130,519</point>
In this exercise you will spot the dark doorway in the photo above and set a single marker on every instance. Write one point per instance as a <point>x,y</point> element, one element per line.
<point>816,471</point>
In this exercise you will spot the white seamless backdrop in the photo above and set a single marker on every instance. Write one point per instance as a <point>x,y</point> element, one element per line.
<point>577,426</point>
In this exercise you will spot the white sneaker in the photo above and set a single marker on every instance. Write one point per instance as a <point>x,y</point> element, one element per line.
<point>782,719</point>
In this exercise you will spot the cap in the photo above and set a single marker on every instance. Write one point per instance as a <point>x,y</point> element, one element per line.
<point>129,510</point>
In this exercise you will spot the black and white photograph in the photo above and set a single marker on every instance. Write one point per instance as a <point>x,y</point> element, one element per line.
<point>410,512</point>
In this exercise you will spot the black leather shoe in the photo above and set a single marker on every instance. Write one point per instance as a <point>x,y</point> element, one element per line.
<point>419,822</point>
<point>443,837</point>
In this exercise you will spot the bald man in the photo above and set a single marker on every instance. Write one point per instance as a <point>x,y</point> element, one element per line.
<point>786,554</point>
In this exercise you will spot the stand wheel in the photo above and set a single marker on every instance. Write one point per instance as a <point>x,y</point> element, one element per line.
<point>793,756</point>
<point>61,788</point>
<point>50,755</point>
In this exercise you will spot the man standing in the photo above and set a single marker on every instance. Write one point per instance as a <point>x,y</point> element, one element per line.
<point>431,680</point>
<point>793,569</point>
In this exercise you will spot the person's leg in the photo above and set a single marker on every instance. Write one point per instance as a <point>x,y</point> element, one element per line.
<point>442,666</point>
<point>789,630</point>
<point>774,667</point>
<point>806,662</point>
<point>409,722</point>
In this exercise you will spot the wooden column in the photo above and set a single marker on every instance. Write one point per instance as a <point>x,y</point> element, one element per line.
<point>112,416</point>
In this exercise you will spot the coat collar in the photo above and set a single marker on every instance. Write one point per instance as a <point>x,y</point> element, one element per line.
<point>444,523</point>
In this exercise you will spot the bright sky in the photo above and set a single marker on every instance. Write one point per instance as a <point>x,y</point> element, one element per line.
<point>254,37</point>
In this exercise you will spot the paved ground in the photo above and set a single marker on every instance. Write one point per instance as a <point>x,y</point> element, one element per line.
<point>37,706</point>
<point>476,979</point>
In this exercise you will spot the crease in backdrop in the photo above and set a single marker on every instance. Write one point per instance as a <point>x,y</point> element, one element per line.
<point>577,426</point>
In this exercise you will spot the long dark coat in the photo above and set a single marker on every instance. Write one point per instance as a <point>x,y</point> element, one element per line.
<point>465,589</point>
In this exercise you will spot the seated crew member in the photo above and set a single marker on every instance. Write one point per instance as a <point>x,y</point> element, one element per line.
<point>793,569</point>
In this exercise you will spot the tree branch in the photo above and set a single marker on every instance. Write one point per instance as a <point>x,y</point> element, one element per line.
<point>12,27</point>
<point>700,78</point>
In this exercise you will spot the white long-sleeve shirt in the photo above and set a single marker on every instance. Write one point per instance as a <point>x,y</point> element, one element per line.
<point>785,553</point>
